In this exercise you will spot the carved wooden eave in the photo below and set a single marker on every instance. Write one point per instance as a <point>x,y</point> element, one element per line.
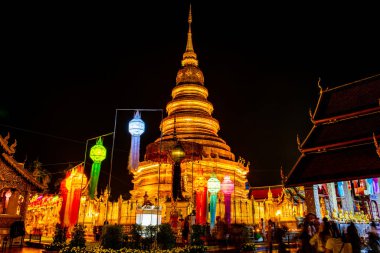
<point>376,145</point>
<point>9,160</point>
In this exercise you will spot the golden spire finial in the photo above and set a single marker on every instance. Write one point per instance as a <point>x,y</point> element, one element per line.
<point>189,57</point>
<point>189,45</point>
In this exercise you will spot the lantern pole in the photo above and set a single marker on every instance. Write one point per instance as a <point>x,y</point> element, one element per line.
<point>159,166</point>
<point>84,168</point>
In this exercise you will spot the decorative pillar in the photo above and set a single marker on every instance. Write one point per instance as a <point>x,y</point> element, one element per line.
<point>312,200</point>
<point>332,196</point>
<point>347,202</point>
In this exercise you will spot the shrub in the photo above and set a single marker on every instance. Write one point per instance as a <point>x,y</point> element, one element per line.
<point>165,236</point>
<point>77,237</point>
<point>112,237</point>
<point>249,246</point>
<point>198,231</point>
<point>59,239</point>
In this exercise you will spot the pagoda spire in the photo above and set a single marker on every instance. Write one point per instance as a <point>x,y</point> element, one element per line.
<point>189,45</point>
<point>189,57</point>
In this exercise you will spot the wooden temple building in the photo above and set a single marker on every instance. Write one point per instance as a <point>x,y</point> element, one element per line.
<point>339,165</point>
<point>16,186</point>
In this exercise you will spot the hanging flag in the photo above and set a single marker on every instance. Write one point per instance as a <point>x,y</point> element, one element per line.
<point>340,189</point>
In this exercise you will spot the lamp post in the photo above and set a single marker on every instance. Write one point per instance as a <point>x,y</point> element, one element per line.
<point>213,186</point>
<point>177,154</point>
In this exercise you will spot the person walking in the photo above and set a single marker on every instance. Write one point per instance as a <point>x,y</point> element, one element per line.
<point>373,239</point>
<point>318,241</point>
<point>335,244</point>
<point>353,237</point>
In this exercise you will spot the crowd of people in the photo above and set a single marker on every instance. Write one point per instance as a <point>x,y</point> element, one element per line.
<point>325,236</point>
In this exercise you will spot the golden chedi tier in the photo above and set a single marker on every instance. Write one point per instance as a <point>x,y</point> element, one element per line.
<point>190,123</point>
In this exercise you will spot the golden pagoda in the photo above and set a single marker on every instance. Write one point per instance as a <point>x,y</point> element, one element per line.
<point>190,124</point>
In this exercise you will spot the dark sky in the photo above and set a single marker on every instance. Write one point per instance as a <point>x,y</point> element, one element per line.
<point>67,67</point>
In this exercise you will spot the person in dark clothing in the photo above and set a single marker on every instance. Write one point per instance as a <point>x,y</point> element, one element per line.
<point>373,239</point>
<point>353,237</point>
<point>185,230</point>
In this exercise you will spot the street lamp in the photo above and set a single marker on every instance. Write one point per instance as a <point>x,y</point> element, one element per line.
<point>177,154</point>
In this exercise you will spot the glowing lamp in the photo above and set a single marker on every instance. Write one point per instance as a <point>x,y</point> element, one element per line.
<point>213,184</point>
<point>227,186</point>
<point>177,153</point>
<point>98,152</point>
<point>136,126</point>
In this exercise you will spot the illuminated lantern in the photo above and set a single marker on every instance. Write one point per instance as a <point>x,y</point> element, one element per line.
<point>227,188</point>
<point>177,153</point>
<point>213,186</point>
<point>74,183</point>
<point>97,153</point>
<point>136,128</point>
<point>201,195</point>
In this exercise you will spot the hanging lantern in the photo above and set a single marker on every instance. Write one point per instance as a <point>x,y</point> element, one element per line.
<point>213,186</point>
<point>227,188</point>
<point>201,198</point>
<point>177,153</point>
<point>75,183</point>
<point>136,128</point>
<point>97,153</point>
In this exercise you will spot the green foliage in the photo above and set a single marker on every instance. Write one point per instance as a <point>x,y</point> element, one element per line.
<point>59,239</point>
<point>249,246</point>
<point>165,236</point>
<point>77,237</point>
<point>136,234</point>
<point>112,237</point>
<point>198,231</point>
<point>149,236</point>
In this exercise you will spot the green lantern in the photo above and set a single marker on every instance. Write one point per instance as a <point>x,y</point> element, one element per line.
<point>97,153</point>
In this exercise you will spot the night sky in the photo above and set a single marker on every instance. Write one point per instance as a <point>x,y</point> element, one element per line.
<point>67,67</point>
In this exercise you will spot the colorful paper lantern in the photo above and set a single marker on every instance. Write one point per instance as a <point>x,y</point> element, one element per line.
<point>97,153</point>
<point>136,128</point>
<point>227,188</point>
<point>200,184</point>
<point>213,186</point>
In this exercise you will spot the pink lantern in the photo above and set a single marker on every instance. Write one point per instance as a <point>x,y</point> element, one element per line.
<point>227,187</point>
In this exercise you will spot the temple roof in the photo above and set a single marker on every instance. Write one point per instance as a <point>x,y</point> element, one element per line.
<point>348,98</point>
<point>262,192</point>
<point>7,153</point>
<point>342,145</point>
